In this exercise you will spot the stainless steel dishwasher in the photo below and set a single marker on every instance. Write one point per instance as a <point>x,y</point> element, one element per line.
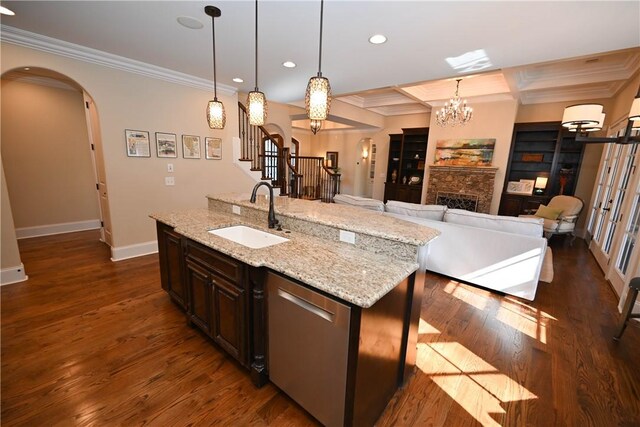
<point>308,348</point>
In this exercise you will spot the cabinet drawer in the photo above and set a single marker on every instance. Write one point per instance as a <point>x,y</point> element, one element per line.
<point>221,264</point>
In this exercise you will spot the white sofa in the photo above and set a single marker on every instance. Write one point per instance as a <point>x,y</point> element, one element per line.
<point>505,254</point>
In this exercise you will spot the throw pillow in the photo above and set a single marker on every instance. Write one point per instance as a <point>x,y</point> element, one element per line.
<point>548,213</point>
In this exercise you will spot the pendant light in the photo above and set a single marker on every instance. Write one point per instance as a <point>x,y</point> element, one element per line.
<point>256,101</point>
<point>317,99</point>
<point>216,116</point>
<point>315,125</point>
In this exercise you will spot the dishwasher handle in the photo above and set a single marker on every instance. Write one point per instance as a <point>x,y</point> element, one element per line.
<point>305,305</point>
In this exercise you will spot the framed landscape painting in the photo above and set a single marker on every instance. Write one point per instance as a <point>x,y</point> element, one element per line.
<point>464,152</point>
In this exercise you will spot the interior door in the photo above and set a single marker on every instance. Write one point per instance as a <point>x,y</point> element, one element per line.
<point>600,244</point>
<point>93,126</point>
<point>626,235</point>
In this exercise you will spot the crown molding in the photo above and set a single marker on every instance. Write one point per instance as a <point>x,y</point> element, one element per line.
<point>42,43</point>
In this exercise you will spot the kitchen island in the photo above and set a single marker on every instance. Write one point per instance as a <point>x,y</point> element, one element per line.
<point>223,288</point>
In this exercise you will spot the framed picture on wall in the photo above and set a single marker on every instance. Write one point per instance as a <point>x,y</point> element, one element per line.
<point>332,159</point>
<point>138,144</point>
<point>213,148</point>
<point>166,145</point>
<point>190,147</point>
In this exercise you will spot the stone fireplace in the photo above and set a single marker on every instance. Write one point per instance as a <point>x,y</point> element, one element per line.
<point>461,187</point>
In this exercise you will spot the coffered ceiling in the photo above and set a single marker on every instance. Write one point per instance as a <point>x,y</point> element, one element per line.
<point>534,51</point>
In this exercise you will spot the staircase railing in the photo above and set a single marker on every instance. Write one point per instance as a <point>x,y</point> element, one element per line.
<point>252,149</point>
<point>330,183</point>
<point>297,176</point>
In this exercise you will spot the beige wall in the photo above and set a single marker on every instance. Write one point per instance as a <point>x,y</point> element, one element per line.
<point>129,101</point>
<point>47,157</point>
<point>9,253</point>
<point>490,120</point>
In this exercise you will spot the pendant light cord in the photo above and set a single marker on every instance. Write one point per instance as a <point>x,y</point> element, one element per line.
<point>320,50</point>
<point>256,45</point>
<point>213,31</point>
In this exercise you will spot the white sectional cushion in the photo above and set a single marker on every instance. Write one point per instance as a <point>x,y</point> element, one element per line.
<point>433,212</point>
<point>508,224</point>
<point>361,202</point>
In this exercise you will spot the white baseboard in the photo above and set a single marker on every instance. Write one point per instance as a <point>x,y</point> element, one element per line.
<point>65,227</point>
<point>132,251</point>
<point>13,275</point>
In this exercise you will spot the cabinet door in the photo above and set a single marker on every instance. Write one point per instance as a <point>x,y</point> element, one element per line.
<point>510,205</point>
<point>229,318</point>
<point>171,264</point>
<point>199,284</point>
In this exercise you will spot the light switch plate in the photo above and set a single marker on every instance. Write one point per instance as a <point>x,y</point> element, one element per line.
<point>170,167</point>
<point>348,237</point>
<point>235,209</point>
<point>169,180</point>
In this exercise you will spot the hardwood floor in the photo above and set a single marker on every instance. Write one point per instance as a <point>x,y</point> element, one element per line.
<point>89,342</point>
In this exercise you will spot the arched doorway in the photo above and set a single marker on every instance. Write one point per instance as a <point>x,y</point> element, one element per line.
<point>52,155</point>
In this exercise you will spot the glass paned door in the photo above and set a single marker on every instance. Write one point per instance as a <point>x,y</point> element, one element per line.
<point>622,183</point>
<point>603,208</point>
<point>603,174</point>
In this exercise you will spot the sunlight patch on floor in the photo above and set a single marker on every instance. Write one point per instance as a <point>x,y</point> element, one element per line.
<point>472,298</point>
<point>425,328</point>
<point>471,382</point>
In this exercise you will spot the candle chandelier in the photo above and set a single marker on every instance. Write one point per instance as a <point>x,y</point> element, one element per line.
<point>315,125</point>
<point>455,112</point>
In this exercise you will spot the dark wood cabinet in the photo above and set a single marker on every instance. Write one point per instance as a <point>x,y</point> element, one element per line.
<point>212,289</point>
<point>406,164</point>
<point>541,150</point>
<point>200,293</point>
<point>170,251</point>
<point>218,290</point>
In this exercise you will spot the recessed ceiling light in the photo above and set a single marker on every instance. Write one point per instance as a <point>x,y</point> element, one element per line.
<point>189,22</point>
<point>27,68</point>
<point>238,80</point>
<point>377,39</point>
<point>5,11</point>
<point>289,64</point>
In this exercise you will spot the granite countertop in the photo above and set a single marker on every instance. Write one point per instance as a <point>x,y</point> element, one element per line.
<point>347,218</point>
<point>340,269</point>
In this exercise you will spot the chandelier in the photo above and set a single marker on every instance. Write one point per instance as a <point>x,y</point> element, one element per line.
<point>455,112</point>
<point>315,125</point>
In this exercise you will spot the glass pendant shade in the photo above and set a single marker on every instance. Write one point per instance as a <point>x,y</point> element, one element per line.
<point>317,99</point>
<point>315,126</point>
<point>216,115</point>
<point>257,106</point>
<point>634,113</point>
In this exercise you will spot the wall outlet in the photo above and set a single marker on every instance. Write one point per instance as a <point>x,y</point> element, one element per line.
<point>348,237</point>
<point>169,180</point>
<point>170,167</point>
<point>235,209</point>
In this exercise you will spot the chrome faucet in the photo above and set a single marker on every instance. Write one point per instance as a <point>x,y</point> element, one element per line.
<point>272,215</point>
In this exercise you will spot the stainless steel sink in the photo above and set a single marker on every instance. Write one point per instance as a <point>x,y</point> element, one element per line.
<point>249,237</point>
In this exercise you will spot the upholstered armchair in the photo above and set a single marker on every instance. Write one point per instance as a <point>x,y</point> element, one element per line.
<point>560,216</point>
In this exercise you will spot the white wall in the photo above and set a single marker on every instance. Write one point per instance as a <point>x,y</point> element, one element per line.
<point>131,101</point>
